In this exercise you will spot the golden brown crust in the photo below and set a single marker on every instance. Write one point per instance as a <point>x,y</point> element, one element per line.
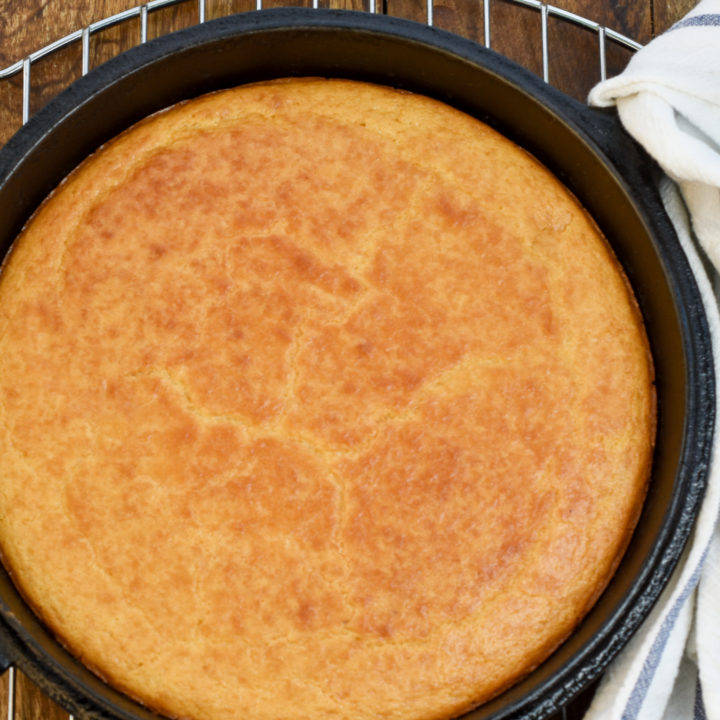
<point>319,399</point>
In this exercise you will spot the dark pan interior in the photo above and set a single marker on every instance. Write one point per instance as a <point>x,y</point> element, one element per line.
<point>586,149</point>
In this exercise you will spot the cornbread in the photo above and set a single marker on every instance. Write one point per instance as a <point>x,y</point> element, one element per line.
<point>319,400</point>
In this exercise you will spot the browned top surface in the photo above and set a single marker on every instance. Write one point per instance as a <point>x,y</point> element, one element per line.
<point>274,440</point>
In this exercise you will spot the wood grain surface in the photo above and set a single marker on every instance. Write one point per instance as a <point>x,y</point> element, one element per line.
<point>27,25</point>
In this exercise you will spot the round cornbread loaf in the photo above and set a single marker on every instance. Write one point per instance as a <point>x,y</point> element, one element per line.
<point>319,400</point>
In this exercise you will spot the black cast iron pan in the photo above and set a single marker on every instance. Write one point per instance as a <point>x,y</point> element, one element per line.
<point>587,149</point>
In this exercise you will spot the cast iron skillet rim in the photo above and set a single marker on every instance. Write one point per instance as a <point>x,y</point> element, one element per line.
<point>134,60</point>
<point>576,120</point>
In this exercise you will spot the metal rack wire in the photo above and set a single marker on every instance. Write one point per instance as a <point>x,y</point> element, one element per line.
<point>83,35</point>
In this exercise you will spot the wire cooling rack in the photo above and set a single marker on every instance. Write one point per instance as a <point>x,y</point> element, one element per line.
<point>606,37</point>
<point>82,36</point>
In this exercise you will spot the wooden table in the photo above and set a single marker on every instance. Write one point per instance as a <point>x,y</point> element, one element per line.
<point>27,25</point>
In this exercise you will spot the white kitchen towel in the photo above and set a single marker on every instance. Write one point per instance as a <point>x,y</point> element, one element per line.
<point>668,98</point>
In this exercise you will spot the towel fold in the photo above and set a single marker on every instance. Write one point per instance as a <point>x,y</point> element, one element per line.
<point>668,98</point>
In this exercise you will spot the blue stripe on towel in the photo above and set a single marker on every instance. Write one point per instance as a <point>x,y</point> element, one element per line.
<point>639,691</point>
<point>698,21</point>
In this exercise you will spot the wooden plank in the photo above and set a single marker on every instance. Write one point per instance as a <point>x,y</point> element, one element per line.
<point>667,12</point>
<point>516,32</point>
<point>31,703</point>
